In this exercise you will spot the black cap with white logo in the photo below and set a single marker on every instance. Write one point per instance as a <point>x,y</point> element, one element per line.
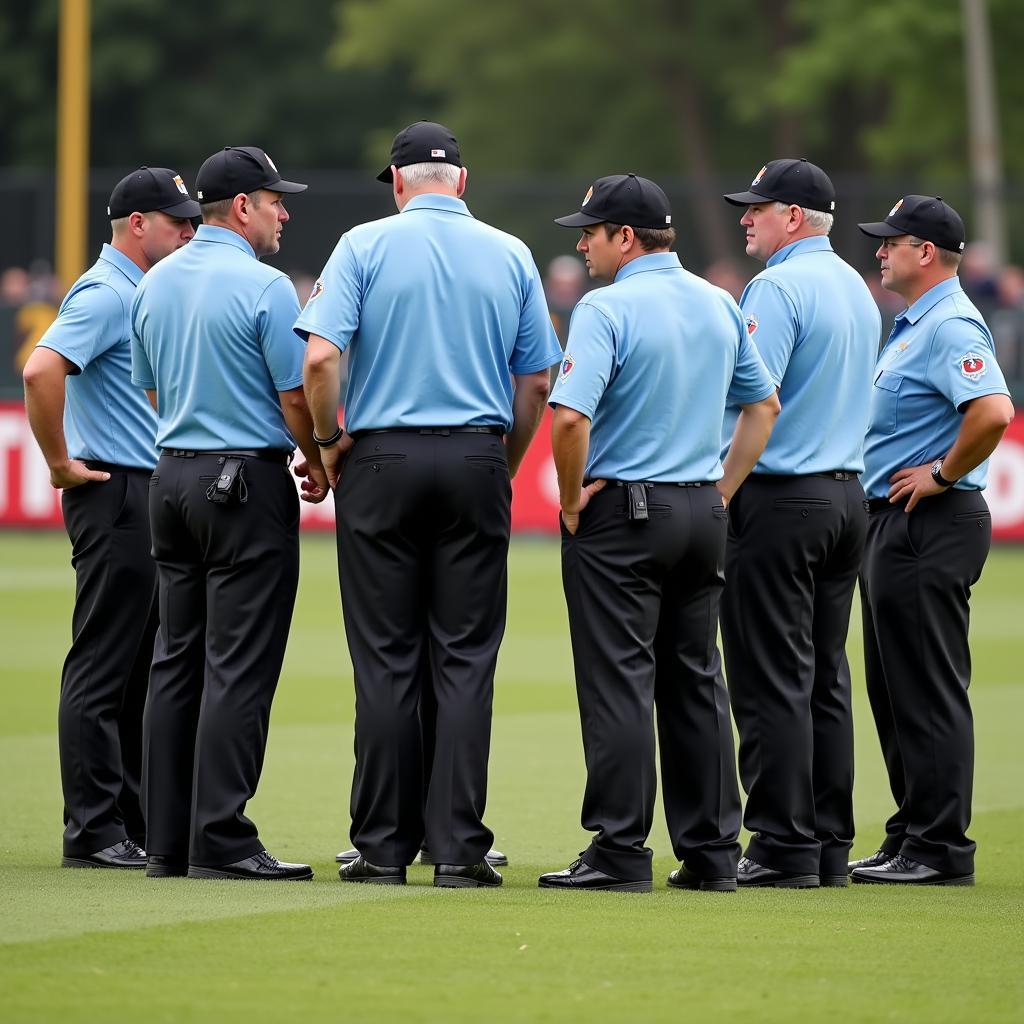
<point>622,199</point>
<point>797,182</point>
<point>237,169</point>
<point>925,217</point>
<point>149,189</point>
<point>424,142</point>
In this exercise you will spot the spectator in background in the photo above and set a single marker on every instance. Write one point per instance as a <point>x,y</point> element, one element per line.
<point>727,274</point>
<point>15,287</point>
<point>1007,321</point>
<point>564,285</point>
<point>978,276</point>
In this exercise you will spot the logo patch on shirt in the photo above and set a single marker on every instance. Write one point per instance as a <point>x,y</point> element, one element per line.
<point>759,176</point>
<point>586,198</point>
<point>435,153</point>
<point>180,184</point>
<point>751,322</point>
<point>567,365</point>
<point>973,366</point>
<point>318,287</point>
<point>896,207</point>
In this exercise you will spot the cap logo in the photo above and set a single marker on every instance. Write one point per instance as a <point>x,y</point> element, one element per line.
<point>437,154</point>
<point>199,194</point>
<point>180,184</point>
<point>587,197</point>
<point>273,166</point>
<point>973,366</point>
<point>759,176</point>
<point>108,211</point>
<point>896,207</point>
<point>567,365</point>
<point>317,289</point>
<point>832,205</point>
<point>751,322</point>
<point>668,218</point>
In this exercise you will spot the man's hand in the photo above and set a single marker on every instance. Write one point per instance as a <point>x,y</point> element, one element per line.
<point>314,482</point>
<point>913,483</point>
<point>726,497</point>
<point>572,519</point>
<point>74,473</point>
<point>335,457</point>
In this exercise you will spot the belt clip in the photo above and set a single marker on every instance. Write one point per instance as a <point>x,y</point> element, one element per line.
<point>637,493</point>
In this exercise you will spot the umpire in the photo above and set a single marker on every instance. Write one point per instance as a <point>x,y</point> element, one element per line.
<point>96,432</point>
<point>939,406</point>
<point>796,535</point>
<point>450,344</point>
<point>213,345</point>
<point>649,365</point>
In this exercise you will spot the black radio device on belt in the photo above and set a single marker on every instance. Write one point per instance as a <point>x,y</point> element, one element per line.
<point>230,483</point>
<point>637,502</point>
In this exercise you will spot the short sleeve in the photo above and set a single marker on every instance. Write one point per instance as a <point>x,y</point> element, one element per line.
<point>771,322</point>
<point>536,345</point>
<point>282,350</point>
<point>962,363</point>
<point>751,380</point>
<point>92,320</point>
<point>588,362</point>
<point>333,308</point>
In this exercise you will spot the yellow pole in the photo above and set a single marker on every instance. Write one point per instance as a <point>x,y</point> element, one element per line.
<point>72,139</point>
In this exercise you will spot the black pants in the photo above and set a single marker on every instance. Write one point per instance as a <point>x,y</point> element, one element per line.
<point>228,575</point>
<point>423,530</point>
<point>795,547</point>
<point>643,601</point>
<point>106,672</point>
<point>915,594</point>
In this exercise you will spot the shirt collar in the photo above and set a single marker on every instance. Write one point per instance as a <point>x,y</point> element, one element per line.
<point>948,287</point>
<point>649,261</point>
<point>128,267</point>
<point>815,243</point>
<point>212,233</point>
<point>437,201</point>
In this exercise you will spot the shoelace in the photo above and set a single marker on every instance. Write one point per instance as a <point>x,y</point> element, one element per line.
<point>268,860</point>
<point>899,863</point>
<point>132,849</point>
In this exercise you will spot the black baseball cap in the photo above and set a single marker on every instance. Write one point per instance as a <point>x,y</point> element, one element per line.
<point>622,199</point>
<point>149,189</point>
<point>422,143</point>
<point>789,181</point>
<point>237,169</point>
<point>926,217</point>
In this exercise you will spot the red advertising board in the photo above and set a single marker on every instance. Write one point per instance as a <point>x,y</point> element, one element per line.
<point>28,500</point>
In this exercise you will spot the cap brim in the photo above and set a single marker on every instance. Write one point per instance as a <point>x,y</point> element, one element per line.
<point>385,175</point>
<point>578,220</point>
<point>879,229</point>
<point>189,208</point>
<point>287,187</point>
<point>746,198</point>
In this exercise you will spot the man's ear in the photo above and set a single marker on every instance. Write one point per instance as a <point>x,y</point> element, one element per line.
<point>463,176</point>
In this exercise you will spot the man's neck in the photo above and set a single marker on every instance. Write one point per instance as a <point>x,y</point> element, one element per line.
<point>920,286</point>
<point>130,249</point>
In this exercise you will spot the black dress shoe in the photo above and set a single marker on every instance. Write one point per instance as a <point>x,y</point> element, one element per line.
<point>360,870</point>
<point>166,867</point>
<point>834,881</point>
<point>580,875</point>
<point>124,854</point>
<point>262,867</point>
<point>877,859</point>
<point>900,870</point>
<point>684,878</point>
<point>493,857</point>
<point>466,876</point>
<point>751,875</point>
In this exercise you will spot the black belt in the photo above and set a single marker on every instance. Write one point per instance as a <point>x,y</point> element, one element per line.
<point>829,474</point>
<point>442,431</point>
<point>282,458</point>
<point>873,505</point>
<point>837,474</point>
<point>111,467</point>
<point>661,483</point>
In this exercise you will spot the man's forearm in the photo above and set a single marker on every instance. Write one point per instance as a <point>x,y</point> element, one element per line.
<point>531,394</point>
<point>570,442</point>
<point>983,426</point>
<point>753,429</point>
<point>44,406</point>
<point>321,375</point>
<point>300,423</point>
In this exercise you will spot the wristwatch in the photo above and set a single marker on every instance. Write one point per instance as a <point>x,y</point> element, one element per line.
<point>937,474</point>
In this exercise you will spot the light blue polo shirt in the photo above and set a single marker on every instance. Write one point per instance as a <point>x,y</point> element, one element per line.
<point>438,311</point>
<point>212,333</point>
<point>652,360</point>
<point>938,357</point>
<point>105,418</point>
<point>816,327</point>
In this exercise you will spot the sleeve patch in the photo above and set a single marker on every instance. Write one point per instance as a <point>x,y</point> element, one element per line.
<point>751,322</point>
<point>973,365</point>
<point>568,363</point>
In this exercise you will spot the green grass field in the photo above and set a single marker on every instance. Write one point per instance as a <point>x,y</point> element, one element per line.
<point>96,945</point>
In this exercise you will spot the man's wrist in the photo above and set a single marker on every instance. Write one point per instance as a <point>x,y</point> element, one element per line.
<point>330,440</point>
<point>937,474</point>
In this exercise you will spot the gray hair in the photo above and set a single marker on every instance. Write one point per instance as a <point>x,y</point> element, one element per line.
<point>417,175</point>
<point>817,220</point>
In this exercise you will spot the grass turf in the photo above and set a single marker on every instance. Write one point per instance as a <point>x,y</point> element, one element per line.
<point>89,945</point>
